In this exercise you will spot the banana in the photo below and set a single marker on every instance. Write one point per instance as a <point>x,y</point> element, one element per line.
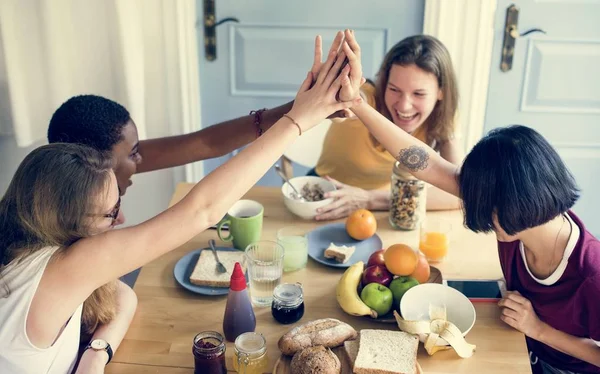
<point>437,328</point>
<point>346,292</point>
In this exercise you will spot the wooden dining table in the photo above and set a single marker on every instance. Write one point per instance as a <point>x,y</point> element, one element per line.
<point>169,316</point>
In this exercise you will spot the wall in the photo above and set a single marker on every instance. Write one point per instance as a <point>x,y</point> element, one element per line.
<point>150,192</point>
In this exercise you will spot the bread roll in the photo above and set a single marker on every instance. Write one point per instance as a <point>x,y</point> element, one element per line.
<point>328,332</point>
<point>315,360</point>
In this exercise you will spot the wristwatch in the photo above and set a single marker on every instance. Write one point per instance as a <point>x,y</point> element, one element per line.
<point>100,345</point>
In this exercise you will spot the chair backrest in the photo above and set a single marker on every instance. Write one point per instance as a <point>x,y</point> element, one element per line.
<point>306,149</point>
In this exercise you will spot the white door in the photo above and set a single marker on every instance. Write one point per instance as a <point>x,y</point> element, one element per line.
<point>554,87</point>
<point>261,61</point>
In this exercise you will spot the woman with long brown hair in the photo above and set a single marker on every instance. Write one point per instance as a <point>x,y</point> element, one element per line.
<point>416,89</point>
<point>57,245</point>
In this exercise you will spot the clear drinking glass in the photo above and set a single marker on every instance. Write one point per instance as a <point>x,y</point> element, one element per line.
<point>265,268</point>
<point>295,246</point>
<point>435,239</point>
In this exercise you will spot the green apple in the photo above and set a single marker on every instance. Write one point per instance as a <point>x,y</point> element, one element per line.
<point>399,286</point>
<point>377,297</point>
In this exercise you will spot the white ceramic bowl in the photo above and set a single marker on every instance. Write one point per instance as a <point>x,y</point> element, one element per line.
<point>414,306</point>
<point>305,209</point>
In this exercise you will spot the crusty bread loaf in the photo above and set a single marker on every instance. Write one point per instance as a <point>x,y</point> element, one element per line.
<point>315,360</point>
<point>205,273</point>
<point>328,332</point>
<point>386,352</point>
<point>351,350</point>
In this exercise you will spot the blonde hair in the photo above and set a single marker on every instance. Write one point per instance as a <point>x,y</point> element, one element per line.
<point>430,55</point>
<point>47,204</point>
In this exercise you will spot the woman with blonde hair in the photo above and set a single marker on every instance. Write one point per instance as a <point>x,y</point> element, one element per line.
<point>416,89</point>
<point>57,245</point>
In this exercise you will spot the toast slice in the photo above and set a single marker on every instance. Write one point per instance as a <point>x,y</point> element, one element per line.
<point>340,253</point>
<point>386,352</point>
<point>205,272</point>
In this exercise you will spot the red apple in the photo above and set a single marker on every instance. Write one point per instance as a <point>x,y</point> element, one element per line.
<point>376,258</point>
<point>377,274</point>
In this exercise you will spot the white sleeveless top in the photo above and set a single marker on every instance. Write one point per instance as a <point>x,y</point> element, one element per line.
<point>17,353</point>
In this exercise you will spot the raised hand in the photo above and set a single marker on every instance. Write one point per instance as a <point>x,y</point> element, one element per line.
<point>316,98</point>
<point>351,86</point>
<point>317,63</point>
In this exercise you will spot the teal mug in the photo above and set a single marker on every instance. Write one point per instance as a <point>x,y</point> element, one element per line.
<point>245,219</point>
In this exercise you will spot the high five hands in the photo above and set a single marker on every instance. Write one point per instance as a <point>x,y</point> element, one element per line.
<point>344,47</point>
<point>331,86</point>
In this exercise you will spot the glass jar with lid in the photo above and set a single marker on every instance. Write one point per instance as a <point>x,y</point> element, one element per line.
<point>408,200</point>
<point>250,354</point>
<point>209,353</point>
<point>288,303</point>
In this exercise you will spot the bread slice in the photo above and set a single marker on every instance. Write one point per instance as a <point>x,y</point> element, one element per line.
<point>205,273</point>
<point>386,352</point>
<point>351,350</point>
<point>340,253</point>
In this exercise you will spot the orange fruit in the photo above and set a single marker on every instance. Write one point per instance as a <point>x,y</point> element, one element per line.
<point>422,270</point>
<point>361,224</point>
<point>401,259</point>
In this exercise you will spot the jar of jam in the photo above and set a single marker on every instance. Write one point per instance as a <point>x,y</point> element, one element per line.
<point>209,353</point>
<point>288,303</point>
<point>408,203</point>
<point>250,354</point>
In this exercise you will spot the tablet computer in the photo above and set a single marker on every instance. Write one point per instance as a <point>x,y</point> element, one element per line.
<point>479,290</point>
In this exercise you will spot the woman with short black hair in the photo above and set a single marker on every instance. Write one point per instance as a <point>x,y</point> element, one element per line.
<point>514,183</point>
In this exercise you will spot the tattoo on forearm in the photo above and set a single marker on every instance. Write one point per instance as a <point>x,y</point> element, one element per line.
<point>414,158</point>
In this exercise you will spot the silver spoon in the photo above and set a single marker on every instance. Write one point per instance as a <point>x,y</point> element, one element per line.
<point>220,267</point>
<point>295,195</point>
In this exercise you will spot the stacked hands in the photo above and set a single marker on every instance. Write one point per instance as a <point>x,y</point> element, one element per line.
<point>331,87</point>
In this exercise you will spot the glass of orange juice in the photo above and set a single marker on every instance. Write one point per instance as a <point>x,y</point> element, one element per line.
<point>435,239</point>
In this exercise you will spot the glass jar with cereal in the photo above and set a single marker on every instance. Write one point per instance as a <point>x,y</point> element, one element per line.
<point>408,200</point>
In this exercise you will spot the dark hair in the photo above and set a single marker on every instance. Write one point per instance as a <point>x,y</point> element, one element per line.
<point>88,119</point>
<point>515,173</point>
<point>430,55</point>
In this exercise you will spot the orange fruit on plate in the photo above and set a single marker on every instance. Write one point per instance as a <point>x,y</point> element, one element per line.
<point>361,224</point>
<point>401,259</point>
<point>422,270</point>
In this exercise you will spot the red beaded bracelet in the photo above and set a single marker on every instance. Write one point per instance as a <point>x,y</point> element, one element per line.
<point>257,120</point>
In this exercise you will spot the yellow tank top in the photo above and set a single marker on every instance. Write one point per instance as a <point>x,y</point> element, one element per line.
<point>351,156</point>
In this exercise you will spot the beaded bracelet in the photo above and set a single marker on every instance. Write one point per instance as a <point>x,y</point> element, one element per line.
<point>257,120</point>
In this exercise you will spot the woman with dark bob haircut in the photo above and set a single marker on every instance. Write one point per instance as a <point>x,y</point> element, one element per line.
<point>514,183</point>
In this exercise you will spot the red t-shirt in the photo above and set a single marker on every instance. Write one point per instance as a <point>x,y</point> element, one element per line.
<point>571,304</point>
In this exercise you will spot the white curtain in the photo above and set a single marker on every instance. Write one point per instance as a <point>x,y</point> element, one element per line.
<point>140,53</point>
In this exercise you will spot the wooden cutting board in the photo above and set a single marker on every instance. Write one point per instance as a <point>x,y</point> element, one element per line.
<point>283,364</point>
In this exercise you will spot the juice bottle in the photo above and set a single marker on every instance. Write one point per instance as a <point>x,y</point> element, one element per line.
<point>239,315</point>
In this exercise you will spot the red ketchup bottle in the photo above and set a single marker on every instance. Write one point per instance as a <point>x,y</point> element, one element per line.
<point>239,315</point>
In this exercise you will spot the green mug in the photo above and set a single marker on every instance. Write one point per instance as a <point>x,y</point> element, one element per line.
<point>245,220</point>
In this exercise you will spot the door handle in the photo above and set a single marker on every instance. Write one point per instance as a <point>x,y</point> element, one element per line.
<point>210,32</point>
<point>511,33</point>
